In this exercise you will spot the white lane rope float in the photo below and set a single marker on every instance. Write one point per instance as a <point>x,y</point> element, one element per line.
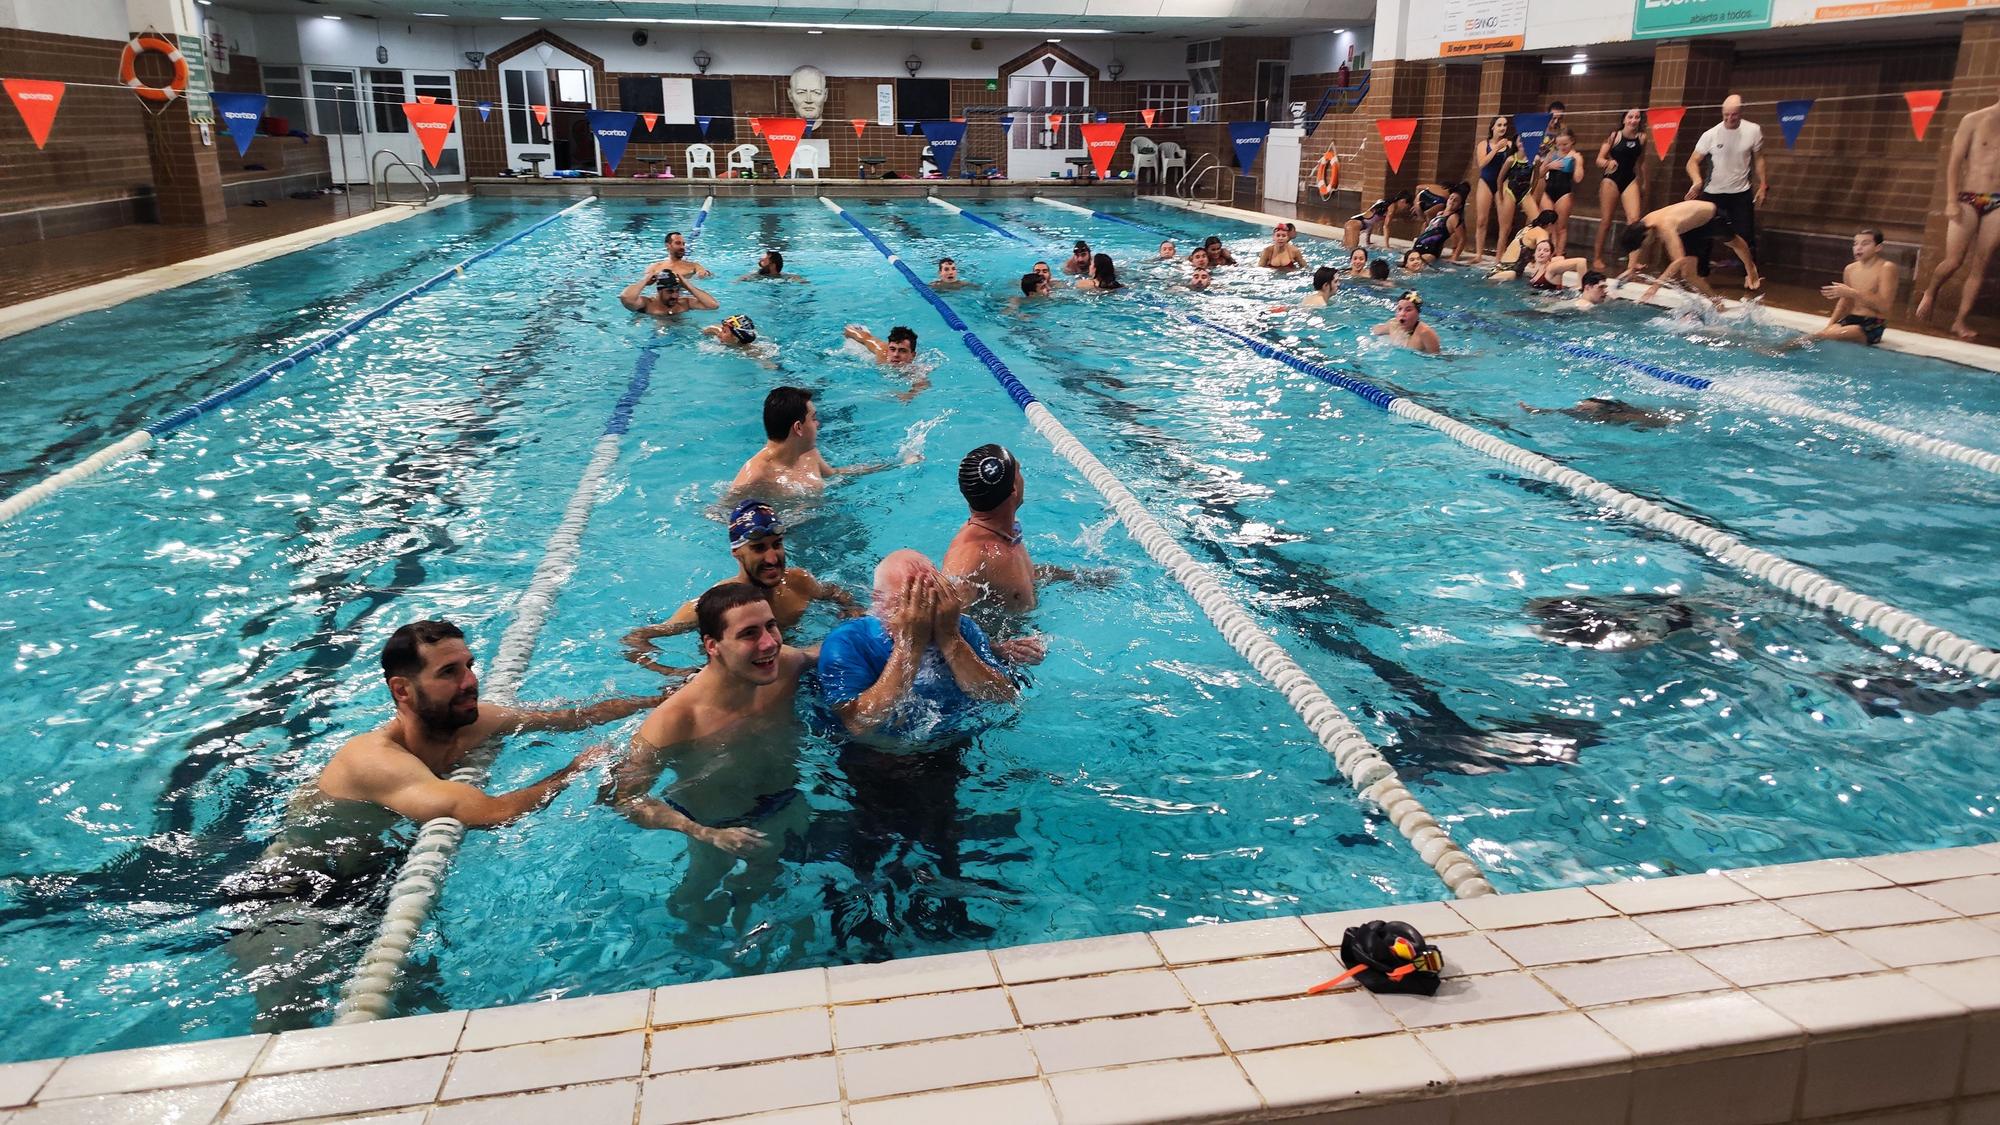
<point>979,219</point>
<point>1106,216</point>
<point>367,992</point>
<point>140,439</point>
<point>1354,756</point>
<point>1802,582</point>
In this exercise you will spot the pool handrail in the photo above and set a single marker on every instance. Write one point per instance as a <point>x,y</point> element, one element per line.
<point>1354,756</point>
<point>365,995</point>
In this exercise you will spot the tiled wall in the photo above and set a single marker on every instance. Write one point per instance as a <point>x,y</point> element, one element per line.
<point>97,149</point>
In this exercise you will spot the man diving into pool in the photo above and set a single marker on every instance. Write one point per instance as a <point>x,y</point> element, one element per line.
<point>757,540</point>
<point>790,460</point>
<point>730,736</point>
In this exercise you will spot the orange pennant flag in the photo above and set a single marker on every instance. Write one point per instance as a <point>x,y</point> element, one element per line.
<point>782,134</point>
<point>37,100</point>
<point>757,126</point>
<point>1923,106</point>
<point>1100,140</point>
<point>649,118</point>
<point>859,124</point>
<point>1148,115</point>
<point>541,114</point>
<point>1055,120</point>
<point>427,99</point>
<point>1396,133</point>
<point>1664,122</point>
<point>433,124</point>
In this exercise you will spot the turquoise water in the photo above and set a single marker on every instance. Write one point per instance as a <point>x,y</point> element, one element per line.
<point>194,633</point>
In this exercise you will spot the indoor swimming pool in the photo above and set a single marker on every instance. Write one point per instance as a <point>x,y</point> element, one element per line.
<point>194,631</point>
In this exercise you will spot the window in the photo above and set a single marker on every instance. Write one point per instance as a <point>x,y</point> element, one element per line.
<point>336,103</point>
<point>1203,91</point>
<point>287,92</point>
<point>437,86</point>
<point>571,89</point>
<point>385,100</point>
<point>923,99</point>
<point>1207,52</point>
<point>1274,90</point>
<point>1170,99</point>
<point>525,88</point>
<point>713,99</point>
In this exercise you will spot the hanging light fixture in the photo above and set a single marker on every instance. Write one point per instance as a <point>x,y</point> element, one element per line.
<point>1115,69</point>
<point>913,64</point>
<point>703,60</point>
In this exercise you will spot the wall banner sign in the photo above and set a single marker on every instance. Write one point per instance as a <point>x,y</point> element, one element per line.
<point>1660,19</point>
<point>1483,27</point>
<point>885,104</point>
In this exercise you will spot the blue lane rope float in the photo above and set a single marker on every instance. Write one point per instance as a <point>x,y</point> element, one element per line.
<point>979,219</point>
<point>1106,216</point>
<point>1354,756</point>
<point>366,994</point>
<point>19,503</point>
<point>1799,581</point>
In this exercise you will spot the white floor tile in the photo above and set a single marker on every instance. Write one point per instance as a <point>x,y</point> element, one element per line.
<point>578,1105</point>
<point>19,1081</point>
<point>1975,984</point>
<point>1260,938</point>
<point>1349,1013</point>
<point>349,1044</point>
<point>1500,996</point>
<point>1432,919</point>
<point>1817,877</point>
<point>1153,1092</point>
<point>1679,892</point>
<point>774,1035</point>
<point>739,996</point>
<point>153,1068</point>
<point>698,1095</point>
<point>1331,1073</point>
<point>910,1018</point>
<point>1516,1048</point>
<point>187,1105</point>
<point>533,1066</point>
<point>1134,1039</point>
<point>1930,866</point>
<point>1932,943</point>
<point>882,1072</point>
<point>1023,964</point>
<point>911,976</point>
<point>1591,940</point>
<point>1657,1028</point>
<point>1854,910</point>
<point>1257,979</point>
<point>1630,978</point>
<point>1786,959</point>
<point>555,1019</point>
<point>1150,990</point>
<point>1979,894</point>
<point>1724,925</point>
<point>1471,955</point>
<point>1016,1103</point>
<point>352,1089</point>
<point>1825,1006</point>
<point>1539,908</point>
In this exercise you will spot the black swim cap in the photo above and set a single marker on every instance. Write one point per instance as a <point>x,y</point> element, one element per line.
<point>986,477</point>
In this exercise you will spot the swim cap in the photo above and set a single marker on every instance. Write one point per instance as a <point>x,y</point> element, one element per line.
<point>1411,296</point>
<point>752,519</point>
<point>741,327</point>
<point>986,477</point>
<point>668,281</point>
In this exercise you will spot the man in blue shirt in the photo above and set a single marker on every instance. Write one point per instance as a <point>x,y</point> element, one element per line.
<point>912,666</point>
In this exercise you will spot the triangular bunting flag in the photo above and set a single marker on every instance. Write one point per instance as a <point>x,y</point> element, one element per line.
<point>704,122</point>
<point>1664,122</point>
<point>782,134</point>
<point>1247,137</point>
<point>908,127</point>
<point>427,99</point>
<point>1007,122</point>
<point>943,138</point>
<point>485,110</point>
<point>433,125</point>
<point>649,119</point>
<point>1792,118</point>
<point>1102,118</point>
<point>241,114</point>
<point>613,131</point>
<point>1055,120</point>
<point>541,114</point>
<point>1396,133</point>
<point>859,124</point>
<point>1530,129</point>
<point>1923,105</point>
<point>1194,113</point>
<point>37,100</point>
<point>1148,115</point>
<point>1101,142</point>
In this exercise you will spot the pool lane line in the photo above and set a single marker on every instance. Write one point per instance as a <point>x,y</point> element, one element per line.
<point>1354,756</point>
<point>365,995</point>
<point>981,220</point>
<point>18,504</point>
<point>1793,578</point>
<point>1104,215</point>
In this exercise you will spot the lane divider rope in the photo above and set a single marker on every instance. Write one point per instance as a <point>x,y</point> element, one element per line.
<point>1799,581</point>
<point>1354,756</point>
<point>1104,215</point>
<point>981,220</point>
<point>367,992</point>
<point>18,504</point>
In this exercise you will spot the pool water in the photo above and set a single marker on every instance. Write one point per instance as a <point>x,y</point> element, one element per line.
<point>195,632</point>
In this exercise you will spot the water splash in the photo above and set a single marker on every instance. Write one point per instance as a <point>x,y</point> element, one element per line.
<point>1090,537</point>
<point>912,448</point>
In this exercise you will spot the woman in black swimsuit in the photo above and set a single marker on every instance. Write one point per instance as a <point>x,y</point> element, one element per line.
<point>1560,174</point>
<point>1622,157</point>
<point>1491,156</point>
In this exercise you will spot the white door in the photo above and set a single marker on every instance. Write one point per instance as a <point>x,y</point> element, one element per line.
<point>386,126</point>
<point>336,111</point>
<point>1033,149</point>
<point>551,78</point>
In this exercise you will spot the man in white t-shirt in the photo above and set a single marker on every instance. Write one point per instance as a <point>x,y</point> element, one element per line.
<point>1734,149</point>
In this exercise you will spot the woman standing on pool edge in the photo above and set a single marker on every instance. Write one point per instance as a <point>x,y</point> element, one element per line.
<point>1559,177</point>
<point>1622,157</point>
<point>1491,157</point>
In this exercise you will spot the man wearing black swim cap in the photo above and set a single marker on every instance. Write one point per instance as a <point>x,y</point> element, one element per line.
<point>672,295</point>
<point>988,556</point>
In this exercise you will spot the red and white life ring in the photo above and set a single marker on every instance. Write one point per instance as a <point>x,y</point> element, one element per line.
<point>129,74</point>
<point>1326,174</point>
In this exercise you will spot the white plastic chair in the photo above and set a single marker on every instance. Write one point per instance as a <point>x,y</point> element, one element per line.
<point>806,158</point>
<point>701,156</point>
<point>1172,156</point>
<point>1145,158</point>
<point>742,158</point>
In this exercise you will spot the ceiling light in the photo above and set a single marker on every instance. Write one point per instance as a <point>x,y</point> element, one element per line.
<point>329,16</point>
<point>520,19</point>
<point>795,25</point>
<point>1340,31</point>
<point>1055,40</point>
<point>432,15</point>
<point>814,31</point>
<point>1579,68</point>
<point>1578,57</point>
<point>206,3</point>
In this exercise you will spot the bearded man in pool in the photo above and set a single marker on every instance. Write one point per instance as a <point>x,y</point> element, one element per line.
<point>311,886</point>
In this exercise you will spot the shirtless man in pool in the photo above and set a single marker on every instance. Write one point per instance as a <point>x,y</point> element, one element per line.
<point>725,735</point>
<point>1972,203</point>
<point>790,460</point>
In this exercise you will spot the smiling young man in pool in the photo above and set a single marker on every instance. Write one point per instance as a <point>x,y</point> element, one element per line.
<point>677,259</point>
<point>790,462</point>
<point>757,541</point>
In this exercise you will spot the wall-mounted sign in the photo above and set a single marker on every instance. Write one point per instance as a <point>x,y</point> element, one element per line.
<point>1659,19</point>
<point>885,104</point>
<point>1484,27</point>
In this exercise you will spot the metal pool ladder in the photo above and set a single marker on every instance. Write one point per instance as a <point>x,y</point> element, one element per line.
<point>380,190</point>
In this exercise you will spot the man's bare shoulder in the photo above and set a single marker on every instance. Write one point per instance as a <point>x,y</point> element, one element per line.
<point>672,722</point>
<point>364,761</point>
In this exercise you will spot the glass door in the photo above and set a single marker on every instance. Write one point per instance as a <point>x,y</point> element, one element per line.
<point>336,113</point>
<point>1034,150</point>
<point>522,88</point>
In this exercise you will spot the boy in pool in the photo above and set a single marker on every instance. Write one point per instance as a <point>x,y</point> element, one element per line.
<point>947,277</point>
<point>790,461</point>
<point>737,331</point>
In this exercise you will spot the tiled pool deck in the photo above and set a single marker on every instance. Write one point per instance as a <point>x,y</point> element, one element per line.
<point>1865,990</point>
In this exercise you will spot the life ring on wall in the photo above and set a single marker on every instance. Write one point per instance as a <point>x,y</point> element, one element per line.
<point>129,74</point>
<point>1326,174</point>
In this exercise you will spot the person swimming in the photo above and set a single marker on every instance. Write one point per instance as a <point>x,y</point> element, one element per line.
<point>1610,623</point>
<point>1610,411</point>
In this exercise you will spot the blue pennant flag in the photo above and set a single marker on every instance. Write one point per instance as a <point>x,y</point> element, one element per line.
<point>1792,118</point>
<point>1194,113</point>
<point>1529,129</point>
<point>943,137</point>
<point>614,132</point>
<point>241,114</point>
<point>485,110</point>
<point>1248,137</point>
<point>703,122</point>
<point>908,126</point>
<point>1007,122</point>
<point>1103,117</point>
<point>810,126</point>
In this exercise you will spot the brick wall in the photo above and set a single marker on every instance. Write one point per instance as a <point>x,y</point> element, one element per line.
<point>97,149</point>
